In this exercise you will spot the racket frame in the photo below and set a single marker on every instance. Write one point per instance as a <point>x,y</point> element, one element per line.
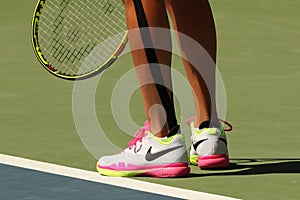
<point>37,50</point>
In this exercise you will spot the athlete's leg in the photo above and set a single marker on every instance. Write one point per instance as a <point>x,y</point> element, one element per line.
<point>170,158</point>
<point>157,99</point>
<point>194,19</point>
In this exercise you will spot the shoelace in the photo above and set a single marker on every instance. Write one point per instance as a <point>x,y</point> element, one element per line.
<point>189,120</point>
<point>139,135</point>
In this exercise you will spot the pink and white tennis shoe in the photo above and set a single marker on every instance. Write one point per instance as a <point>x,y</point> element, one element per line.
<point>148,155</point>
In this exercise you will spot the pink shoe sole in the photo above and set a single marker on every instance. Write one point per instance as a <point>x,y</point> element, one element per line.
<point>160,171</point>
<point>167,172</point>
<point>213,162</point>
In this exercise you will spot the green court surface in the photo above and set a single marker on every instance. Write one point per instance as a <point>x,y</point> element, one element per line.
<point>258,57</point>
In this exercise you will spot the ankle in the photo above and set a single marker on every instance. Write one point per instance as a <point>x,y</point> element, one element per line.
<point>210,124</point>
<point>160,133</point>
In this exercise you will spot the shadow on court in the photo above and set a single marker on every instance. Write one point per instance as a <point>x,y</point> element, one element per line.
<point>248,166</point>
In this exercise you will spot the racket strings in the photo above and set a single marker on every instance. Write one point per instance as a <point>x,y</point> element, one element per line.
<point>70,30</point>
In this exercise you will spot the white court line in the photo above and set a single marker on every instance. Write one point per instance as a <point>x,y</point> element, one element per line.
<point>115,181</point>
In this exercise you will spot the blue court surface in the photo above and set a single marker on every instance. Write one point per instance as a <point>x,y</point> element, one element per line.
<point>19,183</point>
<point>26,179</point>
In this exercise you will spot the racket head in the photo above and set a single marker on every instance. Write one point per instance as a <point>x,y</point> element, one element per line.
<point>71,44</point>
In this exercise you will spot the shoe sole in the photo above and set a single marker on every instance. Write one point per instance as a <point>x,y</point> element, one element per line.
<point>160,172</point>
<point>214,161</point>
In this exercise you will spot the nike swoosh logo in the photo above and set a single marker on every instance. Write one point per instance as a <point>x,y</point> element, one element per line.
<point>223,140</point>
<point>200,141</point>
<point>153,156</point>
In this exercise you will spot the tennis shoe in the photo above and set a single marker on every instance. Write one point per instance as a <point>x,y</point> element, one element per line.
<point>209,148</point>
<point>148,155</point>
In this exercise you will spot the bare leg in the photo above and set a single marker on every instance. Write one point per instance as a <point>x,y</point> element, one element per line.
<point>194,19</point>
<point>157,113</point>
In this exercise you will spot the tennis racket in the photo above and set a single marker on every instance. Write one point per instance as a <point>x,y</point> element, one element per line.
<point>77,39</point>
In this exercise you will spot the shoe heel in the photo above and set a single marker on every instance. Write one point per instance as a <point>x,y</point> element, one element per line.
<point>214,161</point>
